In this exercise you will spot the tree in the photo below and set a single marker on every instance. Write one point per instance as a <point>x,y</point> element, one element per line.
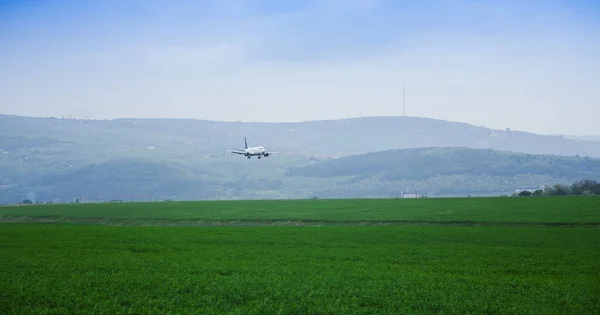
<point>27,202</point>
<point>580,186</point>
<point>525,193</point>
<point>538,193</point>
<point>559,190</point>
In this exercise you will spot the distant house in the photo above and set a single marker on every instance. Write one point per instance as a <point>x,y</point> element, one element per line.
<point>409,194</point>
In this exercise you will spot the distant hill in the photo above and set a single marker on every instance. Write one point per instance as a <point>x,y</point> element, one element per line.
<point>8,142</point>
<point>447,171</point>
<point>50,158</point>
<point>583,138</point>
<point>422,163</point>
<point>429,171</point>
<point>124,179</point>
<point>183,137</point>
<point>132,179</point>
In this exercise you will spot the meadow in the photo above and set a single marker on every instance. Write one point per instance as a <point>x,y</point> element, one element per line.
<point>534,210</point>
<point>489,264</point>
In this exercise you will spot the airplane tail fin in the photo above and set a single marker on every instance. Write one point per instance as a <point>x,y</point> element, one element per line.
<point>245,143</point>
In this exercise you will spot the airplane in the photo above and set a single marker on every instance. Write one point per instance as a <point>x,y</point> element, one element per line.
<point>252,151</point>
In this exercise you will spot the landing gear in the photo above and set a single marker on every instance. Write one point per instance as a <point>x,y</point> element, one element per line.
<point>259,157</point>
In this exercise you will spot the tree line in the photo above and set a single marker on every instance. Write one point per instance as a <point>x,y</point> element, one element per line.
<point>584,187</point>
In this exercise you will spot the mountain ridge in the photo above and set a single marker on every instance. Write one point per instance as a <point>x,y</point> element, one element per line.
<point>435,172</point>
<point>446,171</point>
<point>44,156</point>
<point>333,137</point>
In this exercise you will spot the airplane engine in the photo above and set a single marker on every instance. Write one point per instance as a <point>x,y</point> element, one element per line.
<point>266,154</point>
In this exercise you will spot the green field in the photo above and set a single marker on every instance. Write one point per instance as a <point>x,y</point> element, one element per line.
<point>476,210</point>
<point>434,267</point>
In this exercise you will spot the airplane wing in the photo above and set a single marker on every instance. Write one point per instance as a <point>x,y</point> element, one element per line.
<point>272,152</point>
<point>236,151</point>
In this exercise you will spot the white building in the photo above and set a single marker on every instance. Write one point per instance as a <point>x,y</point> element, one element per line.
<point>410,194</point>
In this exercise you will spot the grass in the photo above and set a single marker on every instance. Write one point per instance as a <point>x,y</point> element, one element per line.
<point>533,210</point>
<point>338,269</point>
<point>262,270</point>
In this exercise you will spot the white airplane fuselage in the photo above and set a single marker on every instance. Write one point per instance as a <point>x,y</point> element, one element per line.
<point>256,151</point>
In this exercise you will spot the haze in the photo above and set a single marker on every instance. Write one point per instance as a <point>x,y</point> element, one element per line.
<point>524,65</point>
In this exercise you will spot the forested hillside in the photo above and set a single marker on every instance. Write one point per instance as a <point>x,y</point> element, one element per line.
<point>50,159</point>
<point>421,163</point>
<point>432,172</point>
<point>175,138</point>
<point>446,171</point>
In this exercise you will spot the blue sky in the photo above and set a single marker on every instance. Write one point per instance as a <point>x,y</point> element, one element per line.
<point>527,65</point>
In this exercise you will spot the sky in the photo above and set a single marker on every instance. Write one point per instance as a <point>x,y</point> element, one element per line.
<point>528,65</point>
